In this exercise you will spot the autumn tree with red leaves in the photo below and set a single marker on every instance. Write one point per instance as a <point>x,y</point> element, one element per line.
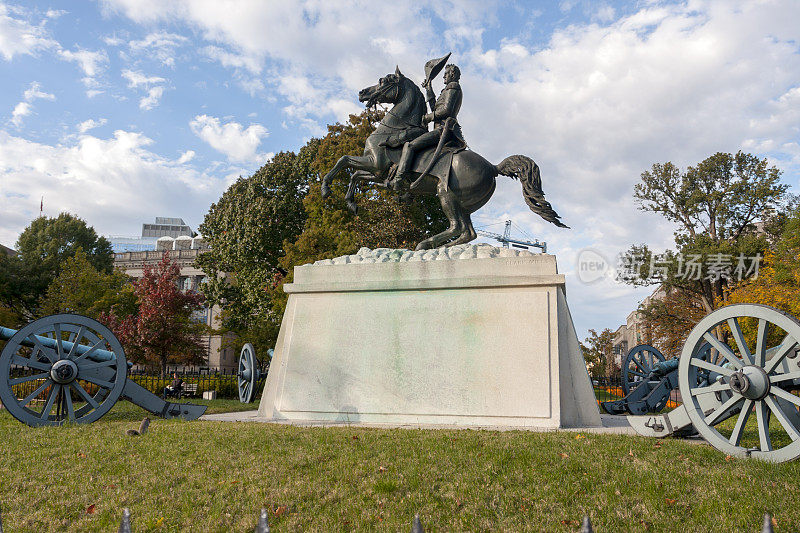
<point>163,332</point>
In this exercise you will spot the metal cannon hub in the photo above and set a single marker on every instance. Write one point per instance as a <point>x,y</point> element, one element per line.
<point>751,382</point>
<point>64,371</point>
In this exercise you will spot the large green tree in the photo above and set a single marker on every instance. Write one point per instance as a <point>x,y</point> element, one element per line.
<point>718,207</point>
<point>247,230</point>
<point>42,249</point>
<point>81,288</point>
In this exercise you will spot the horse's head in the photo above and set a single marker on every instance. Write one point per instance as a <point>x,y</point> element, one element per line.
<point>387,91</point>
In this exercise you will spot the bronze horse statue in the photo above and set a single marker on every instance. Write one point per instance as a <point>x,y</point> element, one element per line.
<point>463,186</point>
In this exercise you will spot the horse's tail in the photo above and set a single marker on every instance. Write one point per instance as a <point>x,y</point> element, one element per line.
<point>526,171</point>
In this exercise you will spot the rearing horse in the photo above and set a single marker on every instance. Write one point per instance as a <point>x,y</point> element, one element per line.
<point>471,177</point>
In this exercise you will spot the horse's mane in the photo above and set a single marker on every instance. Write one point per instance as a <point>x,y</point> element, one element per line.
<point>420,99</point>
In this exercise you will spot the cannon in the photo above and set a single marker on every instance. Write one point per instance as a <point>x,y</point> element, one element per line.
<point>651,392</point>
<point>249,372</point>
<point>740,394</point>
<point>79,371</point>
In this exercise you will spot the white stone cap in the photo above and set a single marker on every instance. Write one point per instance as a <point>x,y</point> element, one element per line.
<point>480,265</point>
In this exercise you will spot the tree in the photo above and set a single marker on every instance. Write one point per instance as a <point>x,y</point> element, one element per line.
<point>724,209</point>
<point>163,332</point>
<point>81,288</point>
<point>246,231</point>
<point>778,280</point>
<point>598,352</point>
<point>670,319</point>
<point>42,248</point>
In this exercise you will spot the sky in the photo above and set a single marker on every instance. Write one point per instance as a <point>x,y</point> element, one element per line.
<point>119,111</point>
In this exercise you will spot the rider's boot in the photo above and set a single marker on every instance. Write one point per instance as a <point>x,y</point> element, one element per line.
<point>402,165</point>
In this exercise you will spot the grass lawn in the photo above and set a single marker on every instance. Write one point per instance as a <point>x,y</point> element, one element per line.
<point>216,476</point>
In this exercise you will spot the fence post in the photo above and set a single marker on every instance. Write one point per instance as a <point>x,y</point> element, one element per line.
<point>263,525</point>
<point>766,528</point>
<point>125,525</point>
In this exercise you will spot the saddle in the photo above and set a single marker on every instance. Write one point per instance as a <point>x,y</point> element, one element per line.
<point>440,169</point>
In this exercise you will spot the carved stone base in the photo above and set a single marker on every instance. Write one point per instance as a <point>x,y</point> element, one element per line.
<point>471,336</point>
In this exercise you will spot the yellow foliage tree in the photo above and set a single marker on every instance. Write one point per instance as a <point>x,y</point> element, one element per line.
<point>778,281</point>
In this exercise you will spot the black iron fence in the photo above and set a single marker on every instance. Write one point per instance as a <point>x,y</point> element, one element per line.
<point>195,383</point>
<point>609,388</point>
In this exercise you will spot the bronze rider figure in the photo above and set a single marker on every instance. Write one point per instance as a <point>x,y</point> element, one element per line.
<point>444,113</point>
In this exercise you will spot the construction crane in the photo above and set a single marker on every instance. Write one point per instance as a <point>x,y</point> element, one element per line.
<point>506,239</point>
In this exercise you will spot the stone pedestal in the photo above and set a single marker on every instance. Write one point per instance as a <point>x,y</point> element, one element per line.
<point>470,336</point>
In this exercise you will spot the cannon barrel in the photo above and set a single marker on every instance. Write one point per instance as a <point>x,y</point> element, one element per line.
<point>97,355</point>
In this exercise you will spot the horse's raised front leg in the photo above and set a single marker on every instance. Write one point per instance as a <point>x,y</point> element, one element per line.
<point>350,197</point>
<point>346,161</point>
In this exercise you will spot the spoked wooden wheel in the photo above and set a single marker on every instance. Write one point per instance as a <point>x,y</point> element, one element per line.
<point>638,364</point>
<point>59,368</point>
<point>248,374</point>
<point>753,369</point>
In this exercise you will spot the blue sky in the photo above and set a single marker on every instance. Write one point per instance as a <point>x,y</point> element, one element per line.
<point>122,110</point>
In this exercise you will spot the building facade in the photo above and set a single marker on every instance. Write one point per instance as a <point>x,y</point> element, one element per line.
<point>163,227</point>
<point>172,235</point>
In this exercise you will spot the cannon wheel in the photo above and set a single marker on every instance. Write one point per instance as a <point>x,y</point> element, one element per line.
<point>638,364</point>
<point>748,378</point>
<point>248,374</point>
<point>61,376</point>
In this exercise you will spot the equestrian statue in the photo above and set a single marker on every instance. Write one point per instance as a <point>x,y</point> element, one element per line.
<point>403,156</point>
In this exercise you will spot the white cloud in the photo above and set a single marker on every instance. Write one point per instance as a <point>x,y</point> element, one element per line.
<point>154,92</point>
<point>160,45</point>
<point>153,96</point>
<point>128,183</point>
<point>186,156</point>
<point>337,48</point>
<point>231,59</point>
<point>20,111</point>
<point>90,62</point>
<point>136,78</point>
<point>25,107</point>
<point>35,91</point>
<point>232,139</point>
<point>55,13</point>
<point>20,37</point>
<point>91,124</point>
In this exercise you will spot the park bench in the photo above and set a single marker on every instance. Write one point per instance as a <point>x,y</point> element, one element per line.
<point>189,389</point>
<point>186,390</point>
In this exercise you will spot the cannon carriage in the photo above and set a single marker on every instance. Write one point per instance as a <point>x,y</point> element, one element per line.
<point>77,371</point>
<point>739,392</point>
